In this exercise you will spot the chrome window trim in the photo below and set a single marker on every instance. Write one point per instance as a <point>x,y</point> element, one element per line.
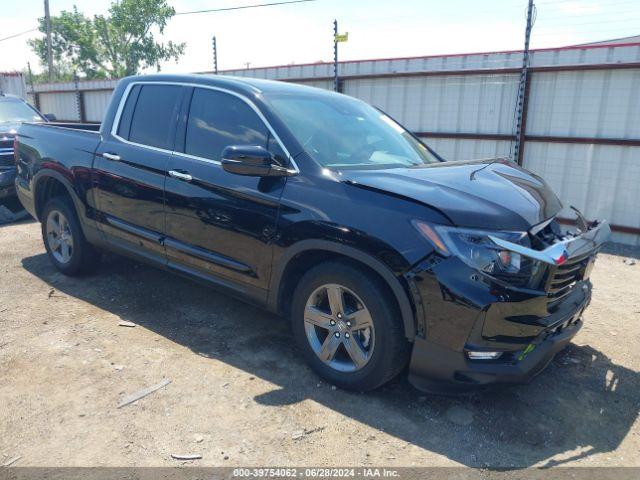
<point>125,96</point>
<point>195,157</point>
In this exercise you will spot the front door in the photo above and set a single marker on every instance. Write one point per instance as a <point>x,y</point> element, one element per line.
<point>219,225</point>
<point>130,170</point>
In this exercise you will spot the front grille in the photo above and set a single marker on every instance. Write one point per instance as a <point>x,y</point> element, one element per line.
<point>563,278</point>
<point>6,152</point>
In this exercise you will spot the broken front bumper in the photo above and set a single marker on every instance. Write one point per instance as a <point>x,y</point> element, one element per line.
<point>460,311</point>
<point>438,367</point>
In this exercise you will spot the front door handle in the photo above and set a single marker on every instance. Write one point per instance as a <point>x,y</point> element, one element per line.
<point>111,156</point>
<point>180,175</point>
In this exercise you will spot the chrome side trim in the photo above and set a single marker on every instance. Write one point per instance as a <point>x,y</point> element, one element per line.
<point>139,231</point>
<point>125,96</point>
<point>208,256</point>
<point>194,157</point>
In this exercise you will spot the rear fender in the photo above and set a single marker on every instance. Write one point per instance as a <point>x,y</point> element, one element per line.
<point>88,225</point>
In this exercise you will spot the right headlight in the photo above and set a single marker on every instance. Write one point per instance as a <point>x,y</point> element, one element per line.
<point>477,250</point>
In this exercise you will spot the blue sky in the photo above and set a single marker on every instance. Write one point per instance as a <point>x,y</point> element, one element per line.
<point>301,33</point>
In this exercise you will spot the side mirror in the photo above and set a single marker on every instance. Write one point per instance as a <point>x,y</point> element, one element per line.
<point>50,117</point>
<point>252,161</point>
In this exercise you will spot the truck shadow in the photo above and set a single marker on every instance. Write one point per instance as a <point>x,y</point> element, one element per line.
<point>583,404</point>
<point>12,212</point>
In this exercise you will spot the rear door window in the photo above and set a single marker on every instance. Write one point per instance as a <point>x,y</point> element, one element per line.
<point>124,127</point>
<point>154,116</point>
<point>217,120</point>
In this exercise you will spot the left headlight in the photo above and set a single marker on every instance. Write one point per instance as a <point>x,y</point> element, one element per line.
<point>475,248</point>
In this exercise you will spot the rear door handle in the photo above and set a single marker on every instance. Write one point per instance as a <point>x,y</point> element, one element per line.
<point>111,156</point>
<point>180,175</point>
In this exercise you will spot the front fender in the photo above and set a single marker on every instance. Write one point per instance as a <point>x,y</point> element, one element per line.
<point>400,294</point>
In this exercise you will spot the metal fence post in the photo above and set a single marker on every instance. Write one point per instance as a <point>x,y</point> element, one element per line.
<point>215,55</point>
<point>335,56</point>
<point>79,99</point>
<point>523,89</point>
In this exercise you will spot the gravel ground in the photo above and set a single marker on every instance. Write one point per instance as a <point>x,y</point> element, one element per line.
<point>239,394</point>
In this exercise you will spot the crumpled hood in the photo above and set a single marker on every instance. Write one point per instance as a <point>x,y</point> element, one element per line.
<point>491,194</point>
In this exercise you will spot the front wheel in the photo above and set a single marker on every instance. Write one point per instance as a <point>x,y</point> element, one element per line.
<point>348,327</point>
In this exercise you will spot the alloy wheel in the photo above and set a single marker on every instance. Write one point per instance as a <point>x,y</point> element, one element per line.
<point>59,236</point>
<point>339,328</point>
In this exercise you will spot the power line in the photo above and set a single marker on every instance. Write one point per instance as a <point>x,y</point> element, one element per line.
<point>588,33</point>
<point>17,34</point>
<point>189,13</point>
<point>243,7</point>
<point>554,2</point>
<point>552,15</point>
<point>568,24</point>
<point>576,7</point>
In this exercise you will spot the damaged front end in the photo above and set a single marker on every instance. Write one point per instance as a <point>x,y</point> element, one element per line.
<point>495,307</point>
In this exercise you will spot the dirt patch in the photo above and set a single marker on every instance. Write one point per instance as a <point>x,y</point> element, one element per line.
<point>239,394</point>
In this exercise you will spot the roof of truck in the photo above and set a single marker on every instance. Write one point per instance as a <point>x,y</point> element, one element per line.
<point>244,85</point>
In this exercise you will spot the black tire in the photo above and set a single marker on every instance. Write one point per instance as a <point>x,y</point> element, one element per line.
<point>83,257</point>
<point>391,348</point>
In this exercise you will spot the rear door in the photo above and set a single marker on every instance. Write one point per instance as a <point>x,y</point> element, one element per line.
<point>130,169</point>
<point>219,225</point>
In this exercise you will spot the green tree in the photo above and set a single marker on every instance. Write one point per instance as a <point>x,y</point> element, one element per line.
<point>116,45</point>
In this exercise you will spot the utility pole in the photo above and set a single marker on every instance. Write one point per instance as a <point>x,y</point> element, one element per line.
<point>47,22</point>
<point>523,92</point>
<point>335,55</point>
<point>30,77</point>
<point>215,56</point>
<point>34,96</point>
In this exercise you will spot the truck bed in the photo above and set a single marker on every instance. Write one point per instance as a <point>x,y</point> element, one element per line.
<point>90,127</point>
<point>77,127</point>
<point>66,148</point>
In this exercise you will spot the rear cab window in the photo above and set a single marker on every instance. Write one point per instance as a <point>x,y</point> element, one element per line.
<point>149,115</point>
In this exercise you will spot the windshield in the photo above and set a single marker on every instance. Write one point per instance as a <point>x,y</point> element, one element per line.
<point>17,111</point>
<point>345,133</point>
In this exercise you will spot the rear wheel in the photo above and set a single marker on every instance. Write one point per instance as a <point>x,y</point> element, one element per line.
<point>348,327</point>
<point>68,250</point>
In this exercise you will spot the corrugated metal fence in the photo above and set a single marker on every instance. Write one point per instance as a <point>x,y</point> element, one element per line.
<point>582,114</point>
<point>13,83</point>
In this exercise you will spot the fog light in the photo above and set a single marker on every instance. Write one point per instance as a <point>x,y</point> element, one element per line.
<point>484,355</point>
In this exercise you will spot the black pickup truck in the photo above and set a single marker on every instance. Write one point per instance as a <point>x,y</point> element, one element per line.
<point>321,208</point>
